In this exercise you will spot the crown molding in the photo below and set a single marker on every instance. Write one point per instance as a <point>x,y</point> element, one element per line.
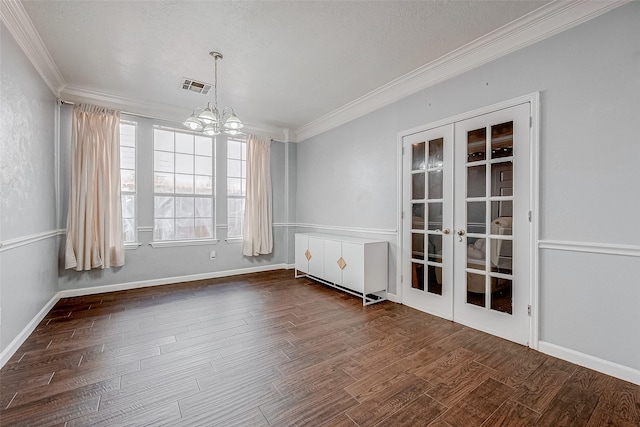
<point>169,113</point>
<point>541,23</point>
<point>21,28</point>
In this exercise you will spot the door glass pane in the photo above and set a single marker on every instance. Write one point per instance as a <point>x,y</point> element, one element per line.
<point>435,216</point>
<point>501,217</point>
<point>476,289</point>
<point>435,248</point>
<point>417,216</point>
<point>476,145</point>
<point>417,276</point>
<point>417,187</point>
<point>502,179</point>
<point>417,156</point>
<point>434,280</point>
<point>476,217</point>
<point>476,253</point>
<point>502,256</point>
<point>502,140</point>
<point>417,246</point>
<point>435,153</point>
<point>501,294</point>
<point>435,185</point>
<point>476,185</point>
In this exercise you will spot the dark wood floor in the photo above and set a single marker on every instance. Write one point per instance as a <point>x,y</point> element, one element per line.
<point>265,349</point>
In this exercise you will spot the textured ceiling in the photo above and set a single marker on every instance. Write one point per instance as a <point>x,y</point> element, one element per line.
<point>286,63</point>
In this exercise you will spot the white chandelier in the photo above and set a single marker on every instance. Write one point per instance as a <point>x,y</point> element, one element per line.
<point>212,121</point>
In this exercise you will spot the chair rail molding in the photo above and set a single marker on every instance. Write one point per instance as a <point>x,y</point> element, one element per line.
<point>31,238</point>
<point>590,247</point>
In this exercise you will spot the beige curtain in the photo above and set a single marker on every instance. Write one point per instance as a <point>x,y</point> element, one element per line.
<point>257,232</point>
<point>94,222</point>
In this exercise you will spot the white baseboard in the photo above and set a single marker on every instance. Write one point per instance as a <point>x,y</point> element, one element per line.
<point>394,298</point>
<point>606,367</point>
<point>167,280</point>
<point>14,345</point>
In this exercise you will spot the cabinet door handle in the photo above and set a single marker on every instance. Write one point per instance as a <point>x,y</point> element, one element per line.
<point>341,263</point>
<point>307,255</point>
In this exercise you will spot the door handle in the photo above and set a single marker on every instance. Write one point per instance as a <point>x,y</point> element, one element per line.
<point>445,231</point>
<point>460,234</point>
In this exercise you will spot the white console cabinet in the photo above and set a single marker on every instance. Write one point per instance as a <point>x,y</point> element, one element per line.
<point>354,265</point>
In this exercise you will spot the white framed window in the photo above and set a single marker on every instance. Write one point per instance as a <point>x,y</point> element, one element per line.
<point>236,184</point>
<point>183,186</point>
<point>128,180</point>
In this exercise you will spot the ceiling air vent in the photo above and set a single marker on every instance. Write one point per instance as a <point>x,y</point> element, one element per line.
<point>195,86</point>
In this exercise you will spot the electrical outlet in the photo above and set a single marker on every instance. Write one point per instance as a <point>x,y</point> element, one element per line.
<point>212,255</point>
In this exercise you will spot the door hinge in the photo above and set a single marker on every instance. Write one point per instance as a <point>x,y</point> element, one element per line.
<point>401,278</point>
<point>529,216</point>
<point>529,310</point>
<point>530,121</point>
<point>403,150</point>
<point>402,214</point>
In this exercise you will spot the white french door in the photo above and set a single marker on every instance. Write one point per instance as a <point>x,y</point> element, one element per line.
<point>466,239</point>
<point>428,221</point>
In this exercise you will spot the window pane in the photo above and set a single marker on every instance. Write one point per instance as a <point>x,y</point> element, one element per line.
<point>234,187</point>
<point>129,230</point>
<point>204,228</point>
<point>128,206</point>
<point>163,229</point>
<point>127,180</point>
<point>163,161</point>
<point>204,146</point>
<point>127,157</point>
<point>234,150</point>
<point>204,165</point>
<point>184,143</point>
<point>203,185</point>
<point>203,207</point>
<point>183,166</point>
<point>184,184</point>
<point>234,168</point>
<point>127,135</point>
<point>163,182</point>
<point>234,227</point>
<point>185,229</point>
<point>184,207</point>
<point>163,207</point>
<point>162,140</point>
<point>184,163</point>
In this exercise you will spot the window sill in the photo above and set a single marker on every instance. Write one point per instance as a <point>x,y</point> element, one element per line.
<point>233,240</point>
<point>176,243</point>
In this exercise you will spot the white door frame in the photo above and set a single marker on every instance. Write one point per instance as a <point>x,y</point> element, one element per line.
<point>534,187</point>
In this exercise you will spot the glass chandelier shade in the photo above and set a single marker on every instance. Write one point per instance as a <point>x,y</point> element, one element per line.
<point>211,121</point>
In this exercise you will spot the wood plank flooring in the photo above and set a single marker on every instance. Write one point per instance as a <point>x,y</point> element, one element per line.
<point>266,349</point>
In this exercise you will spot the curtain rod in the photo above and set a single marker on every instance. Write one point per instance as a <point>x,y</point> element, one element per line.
<point>62,101</point>
<point>128,113</point>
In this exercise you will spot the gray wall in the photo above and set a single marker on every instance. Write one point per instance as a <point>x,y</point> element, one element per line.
<point>147,263</point>
<point>589,81</point>
<point>28,274</point>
